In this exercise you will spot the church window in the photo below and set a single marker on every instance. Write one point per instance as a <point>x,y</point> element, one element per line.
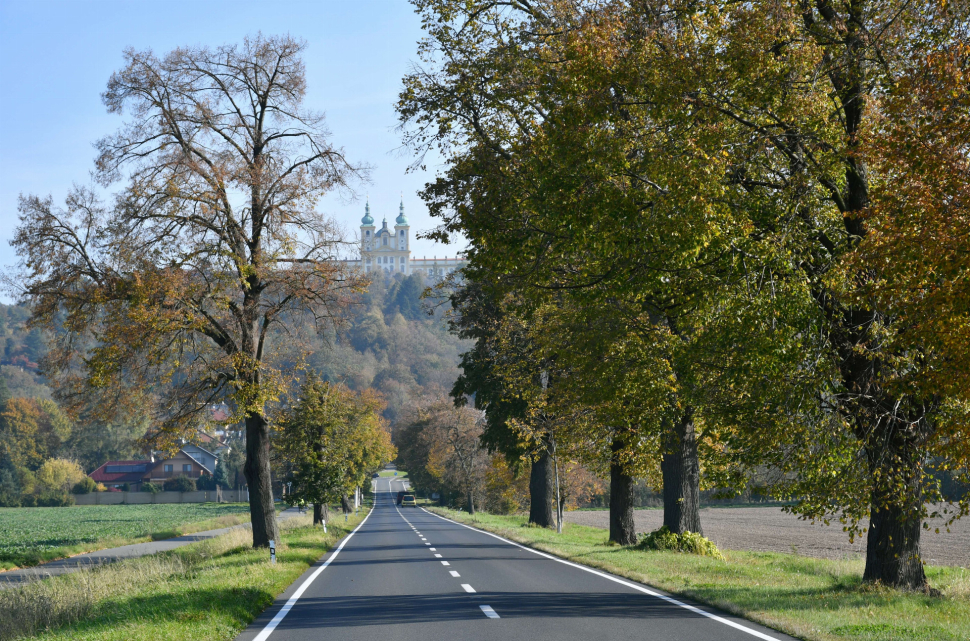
<point>402,233</point>
<point>368,233</point>
<point>385,240</point>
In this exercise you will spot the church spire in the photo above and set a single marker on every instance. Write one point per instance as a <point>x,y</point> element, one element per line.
<point>401,218</point>
<point>367,219</point>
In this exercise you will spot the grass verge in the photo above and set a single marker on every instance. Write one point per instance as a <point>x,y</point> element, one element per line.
<point>815,599</point>
<point>34,535</point>
<point>208,591</point>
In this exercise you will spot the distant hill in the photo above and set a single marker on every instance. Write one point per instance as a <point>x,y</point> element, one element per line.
<point>21,349</point>
<point>392,344</point>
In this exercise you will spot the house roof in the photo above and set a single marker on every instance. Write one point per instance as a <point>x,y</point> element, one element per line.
<point>198,447</point>
<point>121,472</point>
<point>200,464</point>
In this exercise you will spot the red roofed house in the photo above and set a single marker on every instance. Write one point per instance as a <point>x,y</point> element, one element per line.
<point>116,473</point>
<point>193,464</point>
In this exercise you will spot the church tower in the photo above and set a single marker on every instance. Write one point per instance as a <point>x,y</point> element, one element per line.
<point>366,237</point>
<point>383,249</point>
<point>401,230</point>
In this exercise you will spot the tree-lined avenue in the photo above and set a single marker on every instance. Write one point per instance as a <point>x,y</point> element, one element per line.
<point>408,574</point>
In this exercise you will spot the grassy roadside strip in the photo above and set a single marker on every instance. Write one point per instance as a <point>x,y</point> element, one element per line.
<point>208,591</point>
<point>815,599</point>
<point>63,523</point>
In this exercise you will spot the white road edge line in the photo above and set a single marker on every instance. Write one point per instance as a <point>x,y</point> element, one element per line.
<point>634,586</point>
<point>489,612</point>
<point>268,630</point>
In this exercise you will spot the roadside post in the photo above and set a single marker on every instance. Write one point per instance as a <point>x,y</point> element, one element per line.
<point>272,551</point>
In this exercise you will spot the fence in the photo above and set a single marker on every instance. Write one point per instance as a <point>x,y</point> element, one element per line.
<point>140,498</point>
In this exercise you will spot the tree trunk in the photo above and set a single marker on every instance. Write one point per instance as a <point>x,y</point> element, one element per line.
<point>622,529</point>
<point>681,477</point>
<point>471,503</point>
<point>345,504</point>
<point>893,546</point>
<point>893,550</point>
<point>541,490</point>
<point>319,513</point>
<point>262,509</point>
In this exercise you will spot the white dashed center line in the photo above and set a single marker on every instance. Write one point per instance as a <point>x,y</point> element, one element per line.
<point>437,556</point>
<point>433,550</point>
<point>468,588</point>
<point>426,543</point>
<point>453,573</point>
<point>489,612</point>
<point>445,563</point>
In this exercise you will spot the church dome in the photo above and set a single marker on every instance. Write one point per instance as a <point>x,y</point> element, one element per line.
<point>401,218</point>
<point>367,219</point>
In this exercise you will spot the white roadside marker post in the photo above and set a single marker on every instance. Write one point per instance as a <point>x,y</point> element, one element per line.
<point>272,551</point>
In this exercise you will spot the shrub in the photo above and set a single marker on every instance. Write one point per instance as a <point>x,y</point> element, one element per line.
<point>150,487</point>
<point>28,500</point>
<point>180,483</point>
<point>85,486</point>
<point>58,475</point>
<point>55,499</point>
<point>206,482</point>
<point>688,542</point>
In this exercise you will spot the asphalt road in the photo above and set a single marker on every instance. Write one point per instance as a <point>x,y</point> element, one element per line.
<point>408,574</point>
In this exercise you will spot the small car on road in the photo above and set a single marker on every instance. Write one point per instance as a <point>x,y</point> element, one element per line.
<point>408,501</point>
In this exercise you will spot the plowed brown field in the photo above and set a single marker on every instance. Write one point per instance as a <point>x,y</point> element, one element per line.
<point>768,529</point>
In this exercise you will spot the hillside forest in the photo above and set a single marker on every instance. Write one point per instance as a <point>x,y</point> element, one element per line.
<point>389,344</point>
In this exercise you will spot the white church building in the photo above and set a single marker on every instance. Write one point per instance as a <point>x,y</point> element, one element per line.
<point>391,250</point>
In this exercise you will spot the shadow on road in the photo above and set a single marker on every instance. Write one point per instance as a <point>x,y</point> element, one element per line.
<point>424,608</point>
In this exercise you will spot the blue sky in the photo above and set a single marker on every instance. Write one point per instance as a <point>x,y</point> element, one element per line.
<point>56,57</point>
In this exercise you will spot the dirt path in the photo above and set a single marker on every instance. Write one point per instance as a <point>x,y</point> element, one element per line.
<point>768,529</point>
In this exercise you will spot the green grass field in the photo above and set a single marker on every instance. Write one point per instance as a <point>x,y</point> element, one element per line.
<point>32,535</point>
<point>810,598</point>
<point>399,474</point>
<point>207,591</point>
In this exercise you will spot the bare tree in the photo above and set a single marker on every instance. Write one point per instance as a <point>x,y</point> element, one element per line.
<point>469,461</point>
<point>209,254</point>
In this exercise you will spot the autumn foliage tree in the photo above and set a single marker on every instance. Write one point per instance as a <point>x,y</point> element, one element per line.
<point>440,446</point>
<point>175,292</point>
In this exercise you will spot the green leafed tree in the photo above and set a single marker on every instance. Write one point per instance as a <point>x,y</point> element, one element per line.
<point>776,183</point>
<point>331,442</point>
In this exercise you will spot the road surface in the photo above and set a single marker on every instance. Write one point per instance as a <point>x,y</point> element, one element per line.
<point>408,574</point>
